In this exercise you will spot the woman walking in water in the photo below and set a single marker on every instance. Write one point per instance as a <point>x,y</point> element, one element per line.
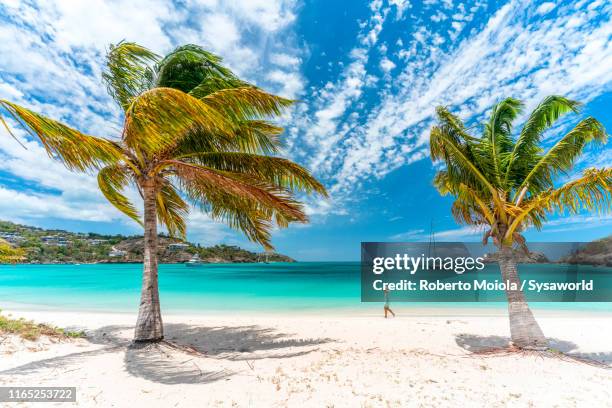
<point>387,308</point>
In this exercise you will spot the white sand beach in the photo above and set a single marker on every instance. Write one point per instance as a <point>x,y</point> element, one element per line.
<point>415,360</point>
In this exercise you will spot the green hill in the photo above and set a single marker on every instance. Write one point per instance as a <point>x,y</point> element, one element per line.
<point>58,246</point>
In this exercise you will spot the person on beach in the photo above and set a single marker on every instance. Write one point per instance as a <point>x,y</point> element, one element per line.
<point>387,308</point>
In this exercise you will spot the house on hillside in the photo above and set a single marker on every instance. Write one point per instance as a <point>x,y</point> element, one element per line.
<point>117,253</point>
<point>55,240</point>
<point>179,246</point>
<point>97,241</point>
<point>11,237</point>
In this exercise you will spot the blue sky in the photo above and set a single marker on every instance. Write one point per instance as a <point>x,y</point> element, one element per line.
<point>368,75</point>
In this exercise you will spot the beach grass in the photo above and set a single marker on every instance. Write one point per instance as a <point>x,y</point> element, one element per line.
<point>30,330</point>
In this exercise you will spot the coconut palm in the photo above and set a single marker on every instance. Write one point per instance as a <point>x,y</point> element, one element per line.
<point>506,184</point>
<point>9,254</point>
<point>192,133</point>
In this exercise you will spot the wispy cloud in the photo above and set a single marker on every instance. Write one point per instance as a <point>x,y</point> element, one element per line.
<point>521,50</point>
<point>467,233</point>
<point>470,233</point>
<point>577,222</point>
<point>409,235</point>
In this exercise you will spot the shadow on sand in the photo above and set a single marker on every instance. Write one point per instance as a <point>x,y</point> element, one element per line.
<point>175,361</point>
<point>479,344</point>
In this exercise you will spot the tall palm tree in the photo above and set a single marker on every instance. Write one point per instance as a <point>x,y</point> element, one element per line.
<point>506,184</point>
<point>9,254</point>
<point>192,133</point>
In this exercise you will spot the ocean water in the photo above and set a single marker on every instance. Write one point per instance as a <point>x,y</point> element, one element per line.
<point>213,287</point>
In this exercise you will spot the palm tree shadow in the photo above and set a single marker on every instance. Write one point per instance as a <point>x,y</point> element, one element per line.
<point>240,342</point>
<point>476,344</point>
<point>163,364</point>
<point>156,362</point>
<point>176,360</point>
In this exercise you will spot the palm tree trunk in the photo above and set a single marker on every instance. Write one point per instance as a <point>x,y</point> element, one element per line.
<point>524,330</point>
<point>149,327</point>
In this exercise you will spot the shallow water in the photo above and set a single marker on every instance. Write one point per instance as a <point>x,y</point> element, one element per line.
<point>233,287</point>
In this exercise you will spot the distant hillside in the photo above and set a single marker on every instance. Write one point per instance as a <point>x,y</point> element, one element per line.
<point>594,253</point>
<point>519,256</point>
<point>57,246</point>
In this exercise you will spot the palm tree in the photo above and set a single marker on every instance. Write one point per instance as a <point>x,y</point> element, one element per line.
<point>506,184</point>
<point>9,254</point>
<point>192,133</point>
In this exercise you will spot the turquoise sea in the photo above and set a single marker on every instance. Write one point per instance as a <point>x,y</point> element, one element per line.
<point>213,287</point>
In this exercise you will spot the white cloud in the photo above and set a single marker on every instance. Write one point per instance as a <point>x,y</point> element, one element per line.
<point>467,233</point>
<point>439,16</point>
<point>16,205</point>
<point>319,122</point>
<point>221,29</point>
<point>386,64</point>
<point>291,82</point>
<point>401,6</point>
<point>10,91</point>
<point>577,223</point>
<point>285,60</point>
<point>409,235</point>
<point>546,7</point>
<point>269,15</point>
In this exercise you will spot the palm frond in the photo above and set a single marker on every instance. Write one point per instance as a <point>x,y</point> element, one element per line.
<point>188,66</point>
<point>497,140</point>
<point>561,156</point>
<point>274,170</point>
<point>473,210</point>
<point>251,217</point>
<point>591,191</point>
<point>216,83</point>
<point>112,180</point>
<point>540,119</point>
<point>257,136</point>
<point>245,216</point>
<point>172,211</point>
<point>128,71</point>
<point>459,167</point>
<point>159,119</point>
<point>76,150</point>
<point>453,125</point>
<point>472,147</point>
<point>201,183</point>
<point>246,103</point>
<point>250,136</point>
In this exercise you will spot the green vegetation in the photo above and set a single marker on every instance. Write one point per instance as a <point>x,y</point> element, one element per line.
<point>10,254</point>
<point>29,330</point>
<point>506,184</point>
<point>38,245</point>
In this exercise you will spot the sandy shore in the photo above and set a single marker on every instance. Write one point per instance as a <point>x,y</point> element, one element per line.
<point>352,360</point>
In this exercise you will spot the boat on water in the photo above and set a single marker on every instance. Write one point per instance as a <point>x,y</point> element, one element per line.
<point>194,261</point>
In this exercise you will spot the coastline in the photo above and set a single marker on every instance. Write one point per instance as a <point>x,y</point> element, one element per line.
<point>366,310</point>
<point>289,359</point>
